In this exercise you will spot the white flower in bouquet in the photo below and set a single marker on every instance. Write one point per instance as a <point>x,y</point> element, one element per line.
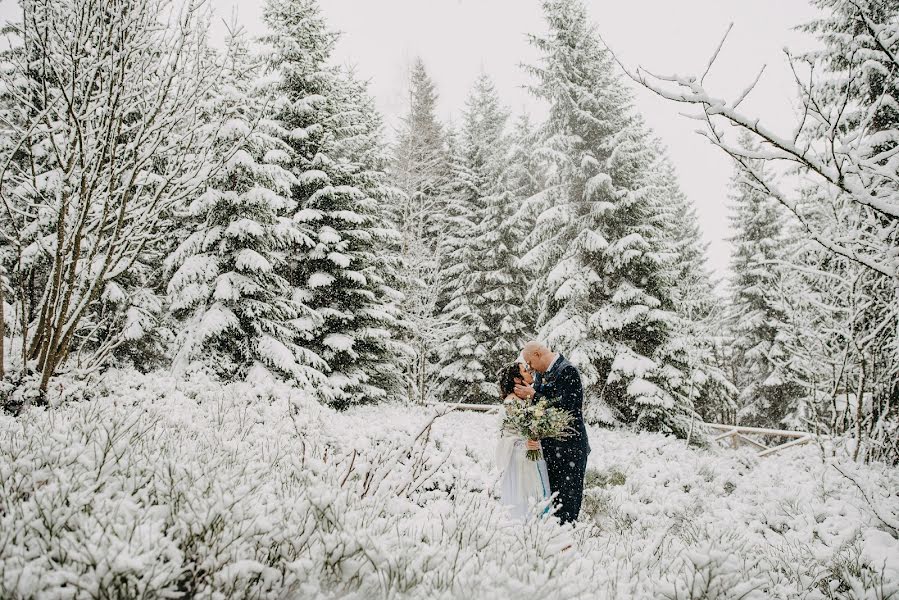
<point>536,421</point>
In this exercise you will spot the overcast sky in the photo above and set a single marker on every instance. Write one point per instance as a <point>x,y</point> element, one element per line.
<point>457,39</point>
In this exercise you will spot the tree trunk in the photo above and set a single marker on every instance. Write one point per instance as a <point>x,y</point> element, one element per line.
<point>859,407</point>
<point>2,333</point>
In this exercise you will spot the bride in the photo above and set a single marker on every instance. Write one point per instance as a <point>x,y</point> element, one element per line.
<point>524,485</point>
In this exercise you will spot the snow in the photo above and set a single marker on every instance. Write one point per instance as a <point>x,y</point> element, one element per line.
<point>313,177</point>
<point>594,241</point>
<point>245,228</point>
<point>113,293</point>
<point>234,129</point>
<point>228,287</point>
<point>276,353</point>
<point>266,197</point>
<point>133,329</point>
<point>320,279</point>
<point>250,260</point>
<point>339,342</point>
<point>879,548</point>
<point>328,235</point>
<point>307,215</point>
<point>632,364</point>
<point>308,103</point>
<point>175,484</point>
<point>276,156</point>
<point>240,158</point>
<point>341,260</point>
<point>214,321</point>
<point>646,390</point>
<point>270,494</point>
<point>349,216</point>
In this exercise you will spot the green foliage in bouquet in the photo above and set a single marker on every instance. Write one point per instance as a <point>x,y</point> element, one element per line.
<point>535,421</point>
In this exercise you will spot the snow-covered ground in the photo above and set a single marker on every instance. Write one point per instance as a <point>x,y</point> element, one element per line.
<point>154,487</point>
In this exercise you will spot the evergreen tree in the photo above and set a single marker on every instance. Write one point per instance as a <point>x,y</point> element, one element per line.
<point>600,249</point>
<point>236,311</point>
<point>330,127</point>
<point>693,291</point>
<point>484,285</point>
<point>375,325</point>
<point>420,168</point>
<point>697,340</point>
<point>524,174</point>
<point>766,396</point>
<point>508,220</point>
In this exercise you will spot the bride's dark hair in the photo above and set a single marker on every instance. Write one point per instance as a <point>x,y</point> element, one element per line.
<point>507,376</point>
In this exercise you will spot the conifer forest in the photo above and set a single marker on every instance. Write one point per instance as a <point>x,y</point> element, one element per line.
<point>252,329</point>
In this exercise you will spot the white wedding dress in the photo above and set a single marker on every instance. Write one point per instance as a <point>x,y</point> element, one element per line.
<point>524,484</point>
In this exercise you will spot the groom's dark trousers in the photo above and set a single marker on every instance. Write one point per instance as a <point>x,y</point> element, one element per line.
<point>566,459</point>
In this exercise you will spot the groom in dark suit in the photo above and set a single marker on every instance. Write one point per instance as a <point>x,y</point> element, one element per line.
<point>566,459</point>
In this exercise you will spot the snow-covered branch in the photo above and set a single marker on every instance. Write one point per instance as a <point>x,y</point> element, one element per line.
<point>828,144</point>
<point>105,136</point>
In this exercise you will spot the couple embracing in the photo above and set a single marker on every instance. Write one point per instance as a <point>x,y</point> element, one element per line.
<point>541,374</point>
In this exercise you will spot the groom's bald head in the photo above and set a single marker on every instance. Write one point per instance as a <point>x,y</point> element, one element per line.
<point>538,356</point>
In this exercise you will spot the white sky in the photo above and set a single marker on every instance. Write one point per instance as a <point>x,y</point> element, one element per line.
<point>459,38</point>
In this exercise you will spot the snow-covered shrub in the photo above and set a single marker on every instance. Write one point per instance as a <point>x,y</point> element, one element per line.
<point>185,489</point>
<point>160,487</point>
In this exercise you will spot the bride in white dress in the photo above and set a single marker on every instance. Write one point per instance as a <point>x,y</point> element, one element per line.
<point>524,485</point>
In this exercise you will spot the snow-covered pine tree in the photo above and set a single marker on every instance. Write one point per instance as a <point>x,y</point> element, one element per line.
<point>374,363</point>
<point>755,322</point>
<point>697,340</point>
<point>693,291</point>
<point>508,219</point>
<point>335,271</point>
<point>482,282</point>
<point>455,221</point>
<point>523,179</point>
<point>524,174</point>
<point>600,250</point>
<point>236,312</point>
<point>420,168</point>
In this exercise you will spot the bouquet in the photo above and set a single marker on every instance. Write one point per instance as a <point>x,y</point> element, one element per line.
<point>535,421</point>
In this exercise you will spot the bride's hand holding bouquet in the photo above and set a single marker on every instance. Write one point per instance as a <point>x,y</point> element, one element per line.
<point>535,421</point>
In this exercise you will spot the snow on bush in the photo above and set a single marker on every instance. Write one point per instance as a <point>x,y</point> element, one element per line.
<point>161,488</point>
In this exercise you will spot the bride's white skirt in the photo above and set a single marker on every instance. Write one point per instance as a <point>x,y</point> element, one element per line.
<point>524,485</point>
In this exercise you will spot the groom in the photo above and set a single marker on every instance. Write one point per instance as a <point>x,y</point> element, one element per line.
<point>566,459</point>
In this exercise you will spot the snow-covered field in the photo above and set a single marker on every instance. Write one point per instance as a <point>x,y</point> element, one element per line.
<point>157,488</point>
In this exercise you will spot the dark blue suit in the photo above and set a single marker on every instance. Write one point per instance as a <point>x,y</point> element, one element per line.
<point>566,459</point>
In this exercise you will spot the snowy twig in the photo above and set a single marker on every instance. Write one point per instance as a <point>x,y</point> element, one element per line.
<point>888,522</point>
<point>711,62</point>
<point>841,166</point>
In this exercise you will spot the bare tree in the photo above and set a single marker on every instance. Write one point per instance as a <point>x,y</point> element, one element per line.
<point>843,159</point>
<point>833,143</point>
<point>102,135</point>
<point>838,344</point>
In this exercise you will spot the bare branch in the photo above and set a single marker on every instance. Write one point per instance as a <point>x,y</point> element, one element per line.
<point>714,57</point>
